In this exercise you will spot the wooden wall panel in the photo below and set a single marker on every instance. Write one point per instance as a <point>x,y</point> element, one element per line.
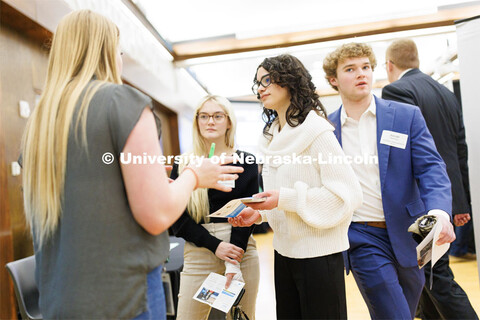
<point>170,141</point>
<point>24,64</point>
<point>22,70</point>
<point>7,303</point>
<point>174,138</point>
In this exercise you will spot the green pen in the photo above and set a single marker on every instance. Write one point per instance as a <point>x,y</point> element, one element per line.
<point>212,150</point>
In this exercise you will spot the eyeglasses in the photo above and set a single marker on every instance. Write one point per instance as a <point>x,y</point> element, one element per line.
<point>218,117</point>
<point>265,81</point>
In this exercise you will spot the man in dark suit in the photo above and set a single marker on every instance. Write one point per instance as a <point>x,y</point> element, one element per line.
<point>408,180</point>
<point>443,115</point>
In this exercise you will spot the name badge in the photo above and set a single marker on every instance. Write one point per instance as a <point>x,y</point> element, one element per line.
<point>228,183</point>
<point>394,139</point>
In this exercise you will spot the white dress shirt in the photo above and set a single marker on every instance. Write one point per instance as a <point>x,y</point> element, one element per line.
<point>403,73</point>
<point>359,139</point>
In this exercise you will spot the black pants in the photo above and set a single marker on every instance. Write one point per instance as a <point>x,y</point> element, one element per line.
<point>446,299</point>
<point>312,288</point>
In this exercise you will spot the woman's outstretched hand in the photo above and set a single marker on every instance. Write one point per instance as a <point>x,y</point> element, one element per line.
<point>209,173</point>
<point>246,218</point>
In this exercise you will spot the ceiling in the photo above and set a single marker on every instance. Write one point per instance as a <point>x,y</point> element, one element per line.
<point>220,42</point>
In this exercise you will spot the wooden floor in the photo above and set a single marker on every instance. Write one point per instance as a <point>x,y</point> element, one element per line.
<point>465,272</point>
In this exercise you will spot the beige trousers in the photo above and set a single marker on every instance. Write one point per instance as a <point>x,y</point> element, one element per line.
<point>199,262</point>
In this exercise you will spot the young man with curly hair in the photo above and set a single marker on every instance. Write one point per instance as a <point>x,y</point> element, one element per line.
<point>408,180</point>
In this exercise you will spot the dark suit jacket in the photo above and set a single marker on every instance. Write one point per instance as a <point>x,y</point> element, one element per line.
<point>443,115</point>
<point>413,180</point>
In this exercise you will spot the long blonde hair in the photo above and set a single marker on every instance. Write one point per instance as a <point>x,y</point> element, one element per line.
<point>198,205</point>
<point>83,47</point>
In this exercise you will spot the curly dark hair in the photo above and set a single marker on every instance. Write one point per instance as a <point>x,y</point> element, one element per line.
<point>287,71</point>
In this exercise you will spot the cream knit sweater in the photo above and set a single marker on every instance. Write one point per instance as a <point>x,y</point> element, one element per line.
<point>316,200</point>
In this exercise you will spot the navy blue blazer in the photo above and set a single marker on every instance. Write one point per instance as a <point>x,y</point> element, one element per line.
<point>443,115</point>
<point>413,180</point>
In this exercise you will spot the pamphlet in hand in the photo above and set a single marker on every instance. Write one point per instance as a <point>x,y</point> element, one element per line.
<point>427,249</point>
<point>234,207</point>
<point>229,210</point>
<point>253,200</point>
<point>213,292</point>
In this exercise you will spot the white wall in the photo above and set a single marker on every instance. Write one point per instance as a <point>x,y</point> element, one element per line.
<point>249,126</point>
<point>468,54</point>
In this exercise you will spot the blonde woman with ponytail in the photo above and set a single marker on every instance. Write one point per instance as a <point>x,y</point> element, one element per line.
<point>212,245</point>
<point>98,224</point>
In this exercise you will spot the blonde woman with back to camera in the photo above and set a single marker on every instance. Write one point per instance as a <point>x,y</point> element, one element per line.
<point>99,229</point>
<point>212,245</point>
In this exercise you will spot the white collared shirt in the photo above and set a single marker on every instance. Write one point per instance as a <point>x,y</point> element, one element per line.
<point>359,140</point>
<point>403,73</point>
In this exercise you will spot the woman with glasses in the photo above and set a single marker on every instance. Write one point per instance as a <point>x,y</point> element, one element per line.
<point>310,199</point>
<point>212,245</point>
